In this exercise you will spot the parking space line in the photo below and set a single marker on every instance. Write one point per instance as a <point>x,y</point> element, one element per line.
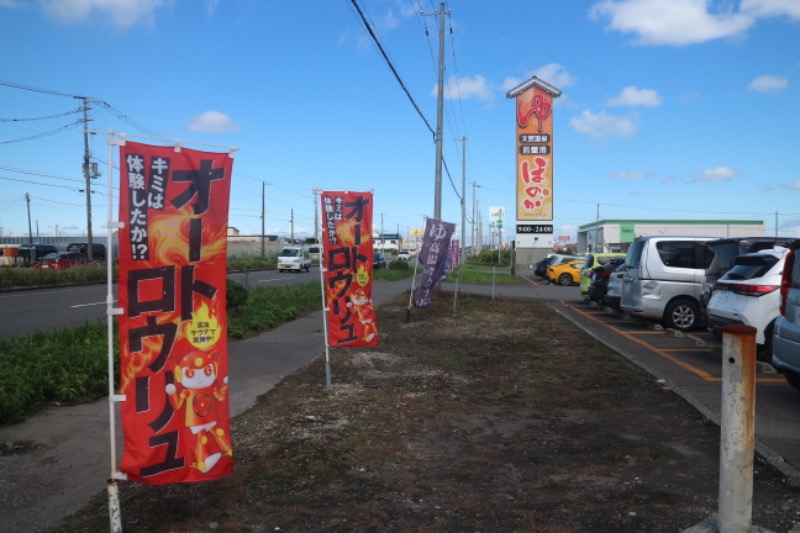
<point>663,353</point>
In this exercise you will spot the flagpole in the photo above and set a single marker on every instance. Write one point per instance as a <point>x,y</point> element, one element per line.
<point>322,270</point>
<point>114,510</point>
<point>176,142</point>
<point>414,279</point>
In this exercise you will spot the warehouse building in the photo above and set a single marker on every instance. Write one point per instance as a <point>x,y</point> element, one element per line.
<point>617,235</point>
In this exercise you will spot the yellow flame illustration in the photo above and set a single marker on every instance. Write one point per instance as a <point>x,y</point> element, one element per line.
<point>203,331</point>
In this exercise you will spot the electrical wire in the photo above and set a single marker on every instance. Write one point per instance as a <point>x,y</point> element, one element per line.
<point>39,135</point>
<point>59,115</point>
<point>391,65</point>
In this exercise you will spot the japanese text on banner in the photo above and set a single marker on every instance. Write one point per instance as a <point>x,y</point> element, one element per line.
<point>173,331</point>
<point>347,242</point>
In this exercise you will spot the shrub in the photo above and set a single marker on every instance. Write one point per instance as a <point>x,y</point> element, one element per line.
<point>399,264</point>
<point>237,294</point>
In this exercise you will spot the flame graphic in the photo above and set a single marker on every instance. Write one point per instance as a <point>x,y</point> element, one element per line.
<point>203,331</point>
<point>169,235</point>
<point>362,276</point>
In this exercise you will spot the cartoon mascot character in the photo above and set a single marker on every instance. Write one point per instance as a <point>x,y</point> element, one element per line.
<point>360,305</point>
<point>198,391</point>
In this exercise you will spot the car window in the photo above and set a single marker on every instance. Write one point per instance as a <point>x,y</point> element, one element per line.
<point>796,274</point>
<point>680,254</point>
<point>634,257</point>
<point>751,267</point>
<point>725,254</point>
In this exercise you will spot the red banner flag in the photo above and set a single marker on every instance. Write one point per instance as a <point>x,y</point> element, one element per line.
<point>173,330</point>
<point>347,242</point>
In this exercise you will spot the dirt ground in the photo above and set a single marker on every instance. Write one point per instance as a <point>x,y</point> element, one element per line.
<point>505,417</point>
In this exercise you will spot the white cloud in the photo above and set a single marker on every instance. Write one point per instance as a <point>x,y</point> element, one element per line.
<point>768,84</point>
<point>602,124</point>
<point>390,21</point>
<point>552,73</point>
<point>466,88</point>
<point>634,97</point>
<point>212,122</point>
<point>715,175</point>
<point>555,75</point>
<point>124,13</point>
<point>672,22</point>
<point>635,175</point>
<point>772,8</point>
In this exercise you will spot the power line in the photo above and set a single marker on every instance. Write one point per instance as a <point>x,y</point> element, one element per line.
<point>59,115</point>
<point>391,66</point>
<point>74,189</point>
<point>45,134</point>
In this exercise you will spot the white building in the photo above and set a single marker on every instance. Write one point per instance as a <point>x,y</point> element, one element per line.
<point>617,235</point>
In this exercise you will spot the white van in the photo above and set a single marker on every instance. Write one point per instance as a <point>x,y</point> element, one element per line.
<point>294,258</point>
<point>664,279</point>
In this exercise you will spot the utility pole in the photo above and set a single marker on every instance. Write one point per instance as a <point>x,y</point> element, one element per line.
<point>596,247</point>
<point>30,228</point>
<point>463,255</point>
<point>383,242</point>
<point>475,225</point>
<point>263,215</point>
<point>776,223</point>
<point>292,233</point>
<point>437,196</point>
<point>88,175</point>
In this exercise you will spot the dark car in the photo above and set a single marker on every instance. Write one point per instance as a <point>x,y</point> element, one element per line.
<point>31,253</point>
<point>600,276</point>
<point>541,267</point>
<point>63,260</point>
<point>725,253</point>
<point>379,261</point>
<point>98,249</point>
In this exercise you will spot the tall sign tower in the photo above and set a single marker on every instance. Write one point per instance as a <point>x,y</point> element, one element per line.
<point>534,168</point>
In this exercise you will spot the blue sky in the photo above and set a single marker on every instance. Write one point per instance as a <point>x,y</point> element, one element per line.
<point>680,109</point>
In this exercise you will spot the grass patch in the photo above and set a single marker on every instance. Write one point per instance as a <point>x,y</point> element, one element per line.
<point>70,365</point>
<point>11,278</point>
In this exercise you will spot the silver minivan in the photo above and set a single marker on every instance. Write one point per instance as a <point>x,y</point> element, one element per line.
<point>664,279</point>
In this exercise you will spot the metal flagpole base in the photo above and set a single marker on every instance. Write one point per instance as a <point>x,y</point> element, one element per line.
<point>114,512</point>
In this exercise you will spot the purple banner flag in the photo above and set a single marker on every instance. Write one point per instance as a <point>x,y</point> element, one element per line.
<point>432,258</point>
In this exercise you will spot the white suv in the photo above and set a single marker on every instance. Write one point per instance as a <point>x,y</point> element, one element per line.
<point>749,294</point>
<point>786,338</point>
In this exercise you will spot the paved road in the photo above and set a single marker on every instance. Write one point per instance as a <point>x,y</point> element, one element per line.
<point>26,311</point>
<point>66,460</point>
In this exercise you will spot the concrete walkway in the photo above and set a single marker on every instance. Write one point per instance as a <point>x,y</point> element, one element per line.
<point>54,462</point>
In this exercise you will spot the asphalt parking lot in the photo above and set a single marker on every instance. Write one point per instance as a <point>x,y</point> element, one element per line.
<point>691,365</point>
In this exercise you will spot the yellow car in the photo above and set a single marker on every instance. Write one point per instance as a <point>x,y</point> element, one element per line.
<point>566,273</point>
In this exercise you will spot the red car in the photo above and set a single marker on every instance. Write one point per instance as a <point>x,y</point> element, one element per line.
<point>62,260</point>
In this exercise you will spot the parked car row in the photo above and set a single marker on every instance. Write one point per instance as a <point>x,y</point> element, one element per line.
<point>64,260</point>
<point>685,282</point>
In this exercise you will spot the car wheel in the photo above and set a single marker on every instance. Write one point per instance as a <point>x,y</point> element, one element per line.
<point>792,378</point>
<point>565,279</point>
<point>681,315</point>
